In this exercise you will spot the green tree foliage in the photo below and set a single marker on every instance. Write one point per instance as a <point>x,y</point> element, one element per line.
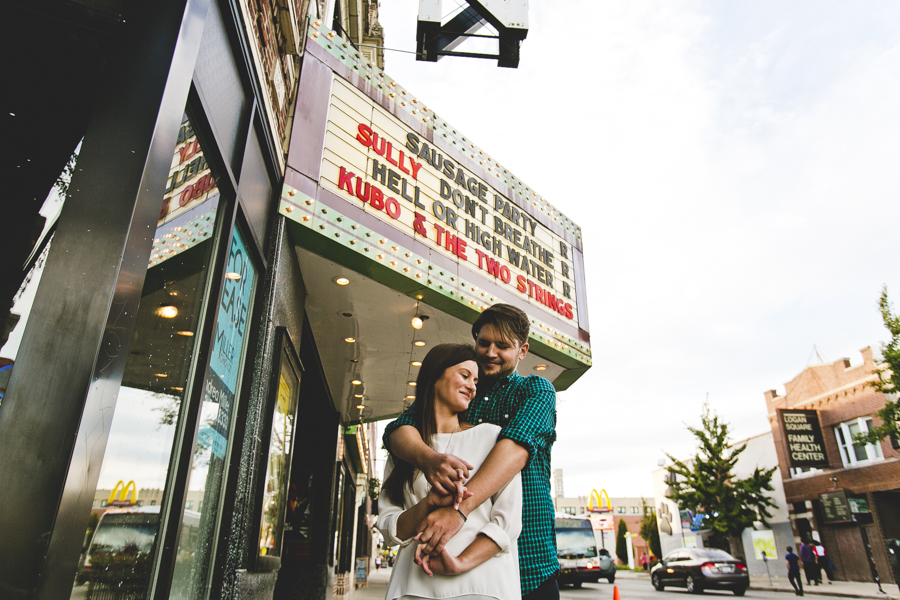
<point>650,533</point>
<point>888,378</point>
<point>707,484</point>
<point>621,546</point>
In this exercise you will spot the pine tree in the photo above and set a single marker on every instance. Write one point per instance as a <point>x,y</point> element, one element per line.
<point>621,546</point>
<point>888,379</point>
<point>706,483</point>
<point>650,533</point>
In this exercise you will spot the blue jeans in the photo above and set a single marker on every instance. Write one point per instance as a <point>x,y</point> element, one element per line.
<point>549,590</point>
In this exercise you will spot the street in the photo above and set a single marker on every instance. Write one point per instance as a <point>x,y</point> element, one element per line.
<point>640,589</point>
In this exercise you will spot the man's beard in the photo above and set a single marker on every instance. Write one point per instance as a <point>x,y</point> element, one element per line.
<point>487,381</point>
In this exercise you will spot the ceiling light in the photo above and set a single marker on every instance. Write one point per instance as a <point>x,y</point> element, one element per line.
<point>177,389</point>
<point>541,368</point>
<point>412,383</point>
<point>417,323</point>
<point>360,406</point>
<point>349,340</point>
<point>419,343</point>
<point>232,275</point>
<point>341,281</point>
<point>357,395</point>
<point>416,363</point>
<point>160,375</point>
<point>356,382</point>
<point>185,333</point>
<point>167,311</point>
<point>410,397</point>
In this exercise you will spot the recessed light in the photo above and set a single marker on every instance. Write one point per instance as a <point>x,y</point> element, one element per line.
<point>167,311</point>
<point>349,340</point>
<point>357,395</point>
<point>356,382</point>
<point>541,368</point>
<point>419,343</point>
<point>341,281</point>
<point>232,275</point>
<point>416,363</point>
<point>160,375</point>
<point>177,389</point>
<point>360,406</point>
<point>185,333</point>
<point>417,323</point>
<point>410,397</point>
<point>412,383</point>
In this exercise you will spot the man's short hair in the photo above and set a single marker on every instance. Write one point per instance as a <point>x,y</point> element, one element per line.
<point>511,322</point>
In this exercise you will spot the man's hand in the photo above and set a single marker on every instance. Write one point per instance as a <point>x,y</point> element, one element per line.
<point>436,530</point>
<point>435,499</point>
<point>447,473</point>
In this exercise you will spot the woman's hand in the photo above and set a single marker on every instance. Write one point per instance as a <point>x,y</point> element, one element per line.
<point>444,564</point>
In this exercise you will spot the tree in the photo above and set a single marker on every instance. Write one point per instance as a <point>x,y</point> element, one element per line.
<point>621,546</point>
<point>650,532</point>
<point>707,484</point>
<point>888,379</point>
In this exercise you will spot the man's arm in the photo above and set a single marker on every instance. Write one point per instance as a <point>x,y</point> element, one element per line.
<point>444,472</point>
<point>505,460</point>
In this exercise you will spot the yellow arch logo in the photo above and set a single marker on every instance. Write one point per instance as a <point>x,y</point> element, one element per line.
<point>599,496</point>
<point>122,489</point>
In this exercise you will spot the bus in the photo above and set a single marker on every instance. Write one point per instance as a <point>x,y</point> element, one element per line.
<point>579,559</point>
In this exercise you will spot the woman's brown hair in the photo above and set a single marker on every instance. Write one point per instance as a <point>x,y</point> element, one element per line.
<point>439,359</point>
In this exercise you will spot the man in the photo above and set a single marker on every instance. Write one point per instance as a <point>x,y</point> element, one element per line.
<point>823,561</point>
<point>793,567</point>
<point>525,409</point>
<point>810,567</point>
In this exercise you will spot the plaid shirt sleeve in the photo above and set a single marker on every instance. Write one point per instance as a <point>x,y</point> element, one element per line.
<point>533,424</point>
<point>407,417</point>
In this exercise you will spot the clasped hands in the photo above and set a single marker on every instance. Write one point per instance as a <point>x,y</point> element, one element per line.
<point>447,475</point>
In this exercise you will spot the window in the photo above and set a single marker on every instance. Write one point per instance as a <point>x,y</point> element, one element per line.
<point>853,453</point>
<point>581,511</point>
<point>635,510</point>
<point>620,510</point>
<point>649,510</point>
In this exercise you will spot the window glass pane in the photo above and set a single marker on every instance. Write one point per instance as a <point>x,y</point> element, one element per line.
<point>121,533</point>
<point>207,475</point>
<point>859,450</point>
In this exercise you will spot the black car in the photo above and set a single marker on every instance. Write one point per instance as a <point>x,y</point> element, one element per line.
<point>699,569</point>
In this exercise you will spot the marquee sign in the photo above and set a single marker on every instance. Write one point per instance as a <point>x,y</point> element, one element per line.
<point>372,159</point>
<point>395,192</point>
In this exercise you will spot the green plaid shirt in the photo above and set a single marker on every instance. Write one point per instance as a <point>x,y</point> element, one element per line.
<point>525,408</point>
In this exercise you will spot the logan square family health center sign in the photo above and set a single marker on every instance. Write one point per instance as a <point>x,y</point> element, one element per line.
<point>391,190</point>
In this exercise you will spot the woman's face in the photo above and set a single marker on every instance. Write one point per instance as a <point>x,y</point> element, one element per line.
<point>456,387</point>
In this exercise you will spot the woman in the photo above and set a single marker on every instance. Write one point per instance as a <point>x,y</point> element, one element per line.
<point>481,561</point>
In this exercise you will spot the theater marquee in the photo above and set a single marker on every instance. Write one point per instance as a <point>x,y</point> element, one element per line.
<point>390,187</point>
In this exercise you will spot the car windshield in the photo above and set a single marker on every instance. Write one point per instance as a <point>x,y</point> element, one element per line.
<point>133,532</point>
<point>712,554</point>
<point>575,543</point>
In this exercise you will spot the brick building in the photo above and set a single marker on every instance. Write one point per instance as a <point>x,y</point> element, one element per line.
<point>860,482</point>
<point>630,510</point>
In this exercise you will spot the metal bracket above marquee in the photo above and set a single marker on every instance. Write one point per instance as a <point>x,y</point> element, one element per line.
<point>435,40</point>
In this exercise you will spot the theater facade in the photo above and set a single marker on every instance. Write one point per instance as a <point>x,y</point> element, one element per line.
<point>262,236</point>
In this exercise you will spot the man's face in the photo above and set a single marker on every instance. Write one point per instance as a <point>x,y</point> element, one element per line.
<point>498,356</point>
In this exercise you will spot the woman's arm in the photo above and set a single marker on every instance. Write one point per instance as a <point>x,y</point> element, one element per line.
<point>479,551</point>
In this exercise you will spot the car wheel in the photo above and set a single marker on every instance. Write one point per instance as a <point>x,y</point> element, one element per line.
<point>576,585</point>
<point>611,579</point>
<point>657,584</point>
<point>692,586</point>
<point>740,591</point>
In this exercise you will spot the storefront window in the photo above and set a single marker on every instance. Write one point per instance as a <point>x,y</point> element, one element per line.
<point>123,531</point>
<point>195,552</point>
<point>853,453</point>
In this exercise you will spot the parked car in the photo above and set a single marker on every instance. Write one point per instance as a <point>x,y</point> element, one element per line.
<point>699,569</point>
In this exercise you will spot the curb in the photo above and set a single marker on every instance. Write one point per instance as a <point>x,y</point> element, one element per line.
<point>806,592</point>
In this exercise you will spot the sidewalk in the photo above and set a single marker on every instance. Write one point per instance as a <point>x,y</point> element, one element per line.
<point>377,588</point>
<point>844,589</point>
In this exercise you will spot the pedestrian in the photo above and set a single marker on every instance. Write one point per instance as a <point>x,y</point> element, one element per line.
<point>810,567</point>
<point>644,561</point>
<point>793,567</point>
<point>525,408</point>
<point>377,562</point>
<point>824,562</point>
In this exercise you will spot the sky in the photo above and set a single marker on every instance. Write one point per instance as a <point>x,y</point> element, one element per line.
<point>734,169</point>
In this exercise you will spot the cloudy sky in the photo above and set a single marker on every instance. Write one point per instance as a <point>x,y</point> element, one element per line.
<point>734,167</point>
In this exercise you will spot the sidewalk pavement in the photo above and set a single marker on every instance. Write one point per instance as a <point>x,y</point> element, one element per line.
<point>378,580</point>
<point>843,589</point>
